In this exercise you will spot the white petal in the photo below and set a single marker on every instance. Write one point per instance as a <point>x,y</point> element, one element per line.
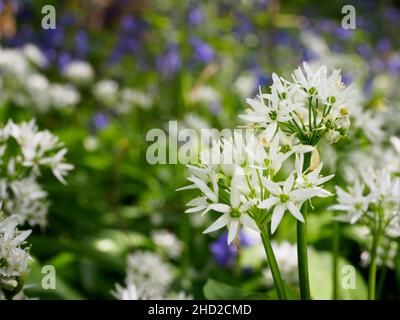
<point>233,228</point>
<point>268,203</point>
<point>272,187</point>
<point>220,207</point>
<point>221,222</point>
<point>287,186</point>
<point>277,216</point>
<point>303,194</point>
<point>249,222</point>
<point>295,212</point>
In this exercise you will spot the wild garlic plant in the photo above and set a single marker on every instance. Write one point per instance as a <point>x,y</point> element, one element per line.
<point>25,152</point>
<point>148,277</point>
<point>237,177</point>
<point>373,201</point>
<point>14,257</point>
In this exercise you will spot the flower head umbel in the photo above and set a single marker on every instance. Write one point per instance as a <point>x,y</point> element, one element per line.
<point>25,152</point>
<point>374,203</point>
<point>313,104</point>
<point>13,256</point>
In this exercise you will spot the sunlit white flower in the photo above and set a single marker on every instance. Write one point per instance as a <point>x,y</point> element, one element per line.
<point>79,72</point>
<point>286,198</point>
<point>234,214</point>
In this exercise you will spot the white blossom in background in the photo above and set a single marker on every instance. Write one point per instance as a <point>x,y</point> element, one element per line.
<point>149,273</point>
<point>34,55</point>
<point>386,254</point>
<point>286,257</point>
<point>106,91</point>
<point>13,255</point>
<point>23,84</point>
<point>372,201</point>
<point>79,72</point>
<point>168,243</point>
<point>63,96</point>
<point>148,277</point>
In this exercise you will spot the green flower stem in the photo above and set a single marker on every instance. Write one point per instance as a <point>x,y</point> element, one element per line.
<point>276,275</point>
<point>381,282</point>
<point>302,245</point>
<point>372,269</point>
<point>335,259</point>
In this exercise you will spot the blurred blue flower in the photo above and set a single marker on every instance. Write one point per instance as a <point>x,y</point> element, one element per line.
<point>195,16</point>
<point>384,45</point>
<point>64,58</point>
<point>225,255</point>
<point>81,43</point>
<point>393,64</point>
<point>100,120</point>
<point>170,62</point>
<point>203,52</point>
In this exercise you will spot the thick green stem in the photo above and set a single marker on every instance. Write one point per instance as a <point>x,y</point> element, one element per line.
<point>302,245</point>
<point>372,268</point>
<point>335,259</point>
<point>276,275</point>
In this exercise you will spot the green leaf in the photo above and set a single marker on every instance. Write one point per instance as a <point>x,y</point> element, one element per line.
<point>214,290</point>
<point>320,267</point>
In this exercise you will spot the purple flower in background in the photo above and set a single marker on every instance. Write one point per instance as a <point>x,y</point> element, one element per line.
<point>100,120</point>
<point>203,52</point>
<point>282,38</point>
<point>393,64</point>
<point>170,62</point>
<point>128,24</point>
<point>64,58</point>
<point>384,45</point>
<point>347,79</point>
<point>225,255</point>
<point>195,16</point>
<point>81,42</point>
<point>365,50</point>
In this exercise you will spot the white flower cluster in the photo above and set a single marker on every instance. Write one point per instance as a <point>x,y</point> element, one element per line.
<point>373,202</point>
<point>24,153</point>
<point>22,83</point>
<point>237,174</point>
<point>286,256</point>
<point>313,104</point>
<point>109,93</point>
<point>79,72</point>
<point>13,256</point>
<point>168,243</point>
<point>148,278</point>
<point>386,254</point>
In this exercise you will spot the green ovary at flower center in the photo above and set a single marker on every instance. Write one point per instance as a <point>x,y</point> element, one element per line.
<point>235,213</point>
<point>284,197</point>
<point>273,115</point>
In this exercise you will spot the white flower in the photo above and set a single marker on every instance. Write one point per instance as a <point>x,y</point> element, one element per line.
<point>128,293</point>
<point>286,257</point>
<point>79,72</point>
<point>312,178</point>
<point>13,258</point>
<point>286,198</point>
<point>353,202</point>
<point>106,91</point>
<point>234,214</point>
<point>34,55</point>
<point>63,96</point>
<point>149,273</point>
<point>59,168</point>
<point>168,242</point>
